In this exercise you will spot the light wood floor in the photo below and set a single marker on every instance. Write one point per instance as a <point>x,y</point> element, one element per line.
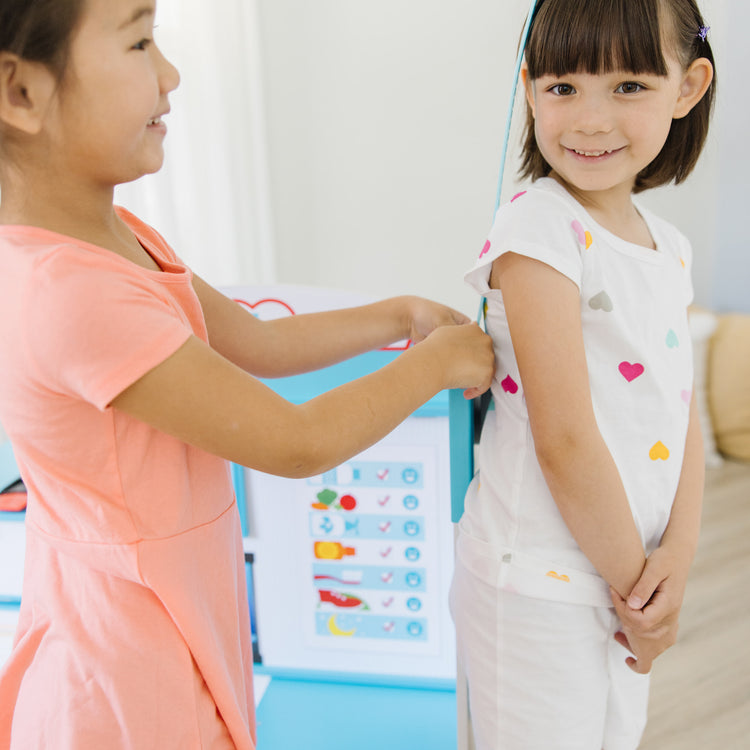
<point>700,695</point>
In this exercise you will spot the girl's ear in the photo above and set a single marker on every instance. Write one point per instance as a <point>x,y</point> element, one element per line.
<point>529,87</point>
<point>695,83</point>
<point>26,90</point>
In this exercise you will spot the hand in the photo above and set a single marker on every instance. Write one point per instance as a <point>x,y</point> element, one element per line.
<point>424,316</point>
<point>644,650</point>
<point>651,613</point>
<point>465,355</point>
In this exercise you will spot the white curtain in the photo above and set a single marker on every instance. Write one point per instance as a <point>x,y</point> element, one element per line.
<point>211,198</point>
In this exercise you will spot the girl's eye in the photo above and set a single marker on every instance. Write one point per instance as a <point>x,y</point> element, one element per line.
<point>142,44</point>
<point>629,87</point>
<point>562,89</point>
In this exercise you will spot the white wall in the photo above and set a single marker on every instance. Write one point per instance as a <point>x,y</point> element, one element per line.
<point>385,122</point>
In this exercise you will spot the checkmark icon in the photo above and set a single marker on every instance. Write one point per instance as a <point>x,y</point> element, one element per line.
<point>386,551</point>
<point>387,602</point>
<point>383,474</point>
<point>386,577</point>
<point>385,526</point>
<point>383,501</point>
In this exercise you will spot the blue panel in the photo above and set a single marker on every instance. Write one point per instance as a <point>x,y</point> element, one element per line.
<point>301,388</point>
<point>238,480</point>
<point>461,418</point>
<point>8,469</point>
<point>296,714</point>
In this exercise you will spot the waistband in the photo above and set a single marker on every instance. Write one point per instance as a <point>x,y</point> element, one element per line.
<point>521,573</point>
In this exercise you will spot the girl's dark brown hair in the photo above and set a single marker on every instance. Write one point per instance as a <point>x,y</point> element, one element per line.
<point>40,30</point>
<point>601,36</point>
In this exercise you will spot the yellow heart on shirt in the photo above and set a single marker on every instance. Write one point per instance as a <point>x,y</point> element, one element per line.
<point>658,451</point>
<point>557,576</point>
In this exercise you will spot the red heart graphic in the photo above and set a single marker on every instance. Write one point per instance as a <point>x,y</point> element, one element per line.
<point>630,371</point>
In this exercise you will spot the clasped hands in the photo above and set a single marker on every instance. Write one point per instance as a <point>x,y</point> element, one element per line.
<point>650,614</point>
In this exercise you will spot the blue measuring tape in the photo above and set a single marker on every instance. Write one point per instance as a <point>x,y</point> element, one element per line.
<point>509,122</point>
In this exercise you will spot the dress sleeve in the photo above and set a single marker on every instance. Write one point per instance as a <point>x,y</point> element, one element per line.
<point>539,225</point>
<point>96,326</point>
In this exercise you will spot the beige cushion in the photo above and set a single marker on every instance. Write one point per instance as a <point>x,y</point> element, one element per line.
<point>702,327</point>
<point>729,385</point>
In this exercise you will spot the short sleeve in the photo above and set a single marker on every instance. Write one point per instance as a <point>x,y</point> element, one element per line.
<point>96,327</point>
<point>537,224</point>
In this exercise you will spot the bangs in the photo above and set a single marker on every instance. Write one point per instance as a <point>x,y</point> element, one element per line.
<point>595,36</point>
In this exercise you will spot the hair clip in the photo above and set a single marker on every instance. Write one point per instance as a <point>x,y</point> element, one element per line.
<point>703,33</point>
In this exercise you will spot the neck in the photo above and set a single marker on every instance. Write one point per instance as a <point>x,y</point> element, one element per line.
<point>62,205</point>
<point>616,202</point>
<point>614,210</point>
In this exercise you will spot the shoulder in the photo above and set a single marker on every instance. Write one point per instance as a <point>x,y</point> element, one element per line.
<point>669,239</point>
<point>544,200</point>
<point>542,222</point>
<point>148,235</point>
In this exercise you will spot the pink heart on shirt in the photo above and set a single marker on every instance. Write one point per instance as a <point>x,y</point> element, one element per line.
<point>630,371</point>
<point>485,249</point>
<point>509,385</point>
<point>584,237</point>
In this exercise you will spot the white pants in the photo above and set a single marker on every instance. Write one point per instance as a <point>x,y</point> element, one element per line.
<point>544,675</point>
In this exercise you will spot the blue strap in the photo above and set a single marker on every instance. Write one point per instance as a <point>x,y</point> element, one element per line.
<point>508,123</point>
<point>463,422</point>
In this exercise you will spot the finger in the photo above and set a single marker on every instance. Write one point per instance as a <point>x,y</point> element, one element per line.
<point>621,608</point>
<point>622,639</point>
<point>641,665</point>
<point>646,586</point>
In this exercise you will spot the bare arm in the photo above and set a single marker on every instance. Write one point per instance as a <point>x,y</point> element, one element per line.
<point>543,310</point>
<point>650,617</point>
<point>199,396</point>
<point>279,348</point>
<point>681,535</point>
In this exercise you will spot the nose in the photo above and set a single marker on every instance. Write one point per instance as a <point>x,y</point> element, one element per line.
<point>169,76</point>
<point>594,116</point>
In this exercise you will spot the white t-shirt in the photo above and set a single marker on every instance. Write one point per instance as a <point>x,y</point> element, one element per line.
<point>634,316</point>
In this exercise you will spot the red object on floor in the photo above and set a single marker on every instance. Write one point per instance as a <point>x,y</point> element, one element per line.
<point>12,501</point>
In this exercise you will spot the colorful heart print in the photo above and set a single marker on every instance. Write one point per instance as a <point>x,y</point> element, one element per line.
<point>602,302</point>
<point>485,249</point>
<point>686,396</point>
<point>584,237</point>
<point>631,371</point>
<point>672,341</point>
<point>517,196</point>
<point>658,452</point>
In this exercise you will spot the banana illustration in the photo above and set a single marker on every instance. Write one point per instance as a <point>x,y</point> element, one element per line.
<point>336,630</point>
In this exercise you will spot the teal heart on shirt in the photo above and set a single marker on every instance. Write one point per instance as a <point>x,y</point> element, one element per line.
<point>672,341</point>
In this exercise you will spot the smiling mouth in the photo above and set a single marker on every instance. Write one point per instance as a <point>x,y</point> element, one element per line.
<point>155,121</point>
<point>595,154</point>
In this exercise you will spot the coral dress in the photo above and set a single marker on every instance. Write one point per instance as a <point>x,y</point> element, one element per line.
<point>134,628</point>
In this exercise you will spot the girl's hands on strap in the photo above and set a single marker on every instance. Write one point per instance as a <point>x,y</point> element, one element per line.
<point>650,616</point>
<point>424,316</point>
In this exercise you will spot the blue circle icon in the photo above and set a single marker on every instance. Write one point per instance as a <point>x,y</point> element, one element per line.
<point>411,528</point>
<point>411,502</point>
<point>414,628</point>
<point>410,476</point>
<point>413,579</point>
<point>414,604</point>
<point>412,554</point>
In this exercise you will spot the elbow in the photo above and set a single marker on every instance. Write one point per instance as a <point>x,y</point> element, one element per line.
<point>557,450</point>
<point>303,452</point>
